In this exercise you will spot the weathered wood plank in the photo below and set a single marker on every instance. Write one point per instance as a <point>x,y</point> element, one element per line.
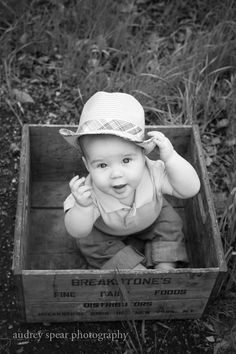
<point>52,158</point>
<point>68,260</point>
<point>49,194</point>
<point>49,245</point>
<point>22,212</point>
<point>113,311</point>
<point>22,222</point>
<point>20,297</point>
<point>201,211</point>
<point>48,233</point>
<point>145,285</point>
<point>178,135</point>
<point>208,205</point>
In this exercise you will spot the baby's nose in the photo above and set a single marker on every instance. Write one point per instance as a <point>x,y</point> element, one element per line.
<point>116,172</point>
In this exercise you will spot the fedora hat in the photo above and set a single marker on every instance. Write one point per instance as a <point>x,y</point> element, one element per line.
<point>112,113</point>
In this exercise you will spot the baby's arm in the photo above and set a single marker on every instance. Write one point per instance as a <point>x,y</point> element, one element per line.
<point>80,218</point>
<point>181,176</point>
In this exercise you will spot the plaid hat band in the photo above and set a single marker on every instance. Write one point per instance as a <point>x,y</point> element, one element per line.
<point>114,127</point>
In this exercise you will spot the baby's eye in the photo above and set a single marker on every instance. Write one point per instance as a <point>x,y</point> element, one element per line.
<point>126,160</point>
<point>102,165</point>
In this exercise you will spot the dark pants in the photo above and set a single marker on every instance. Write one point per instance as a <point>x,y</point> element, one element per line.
<point>104,251</point>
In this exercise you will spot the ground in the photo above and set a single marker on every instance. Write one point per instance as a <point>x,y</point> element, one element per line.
<point>56,100</point>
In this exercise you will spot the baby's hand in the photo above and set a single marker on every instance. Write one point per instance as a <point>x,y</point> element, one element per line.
<point>80,191</point>
<point>164,144</point>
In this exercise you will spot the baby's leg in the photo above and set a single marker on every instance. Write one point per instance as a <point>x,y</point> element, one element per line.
<point>165,240</point>
<point>103,251</point>
<point>168,246</point>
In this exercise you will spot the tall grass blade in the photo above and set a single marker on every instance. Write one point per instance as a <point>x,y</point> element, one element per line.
<point>125,298</point>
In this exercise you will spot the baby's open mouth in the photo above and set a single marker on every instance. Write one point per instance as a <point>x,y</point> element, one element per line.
<point>119,186</point>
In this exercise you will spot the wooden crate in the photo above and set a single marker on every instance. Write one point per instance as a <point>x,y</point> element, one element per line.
<point>53,282</point>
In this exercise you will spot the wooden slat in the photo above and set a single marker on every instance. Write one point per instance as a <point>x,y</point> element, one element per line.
<point>22,212</point>
<point>52,157</point>
<point>99,287</point>
<point>198,258</point>
<point>22,222</point>
<point>49,245</point>
<point>178,135</point>
<point>201,210</point>
<point>48,234</point>
<point>209,205</point>
<point>220,280</point>
<point>92,311</point>
<point>20,298</point>
<point>73,260</point>
<point>49,194</point>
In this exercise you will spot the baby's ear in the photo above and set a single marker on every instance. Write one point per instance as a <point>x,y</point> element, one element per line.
<point>85,162</point>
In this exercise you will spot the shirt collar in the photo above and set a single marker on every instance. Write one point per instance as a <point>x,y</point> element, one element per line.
<point>143,195</point>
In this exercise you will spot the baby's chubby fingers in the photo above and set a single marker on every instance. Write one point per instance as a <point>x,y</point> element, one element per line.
<point>81,191</point>
<point>76,182</point>
<point>164,144</point>
<point>87,194</point>
<point>158,136</point>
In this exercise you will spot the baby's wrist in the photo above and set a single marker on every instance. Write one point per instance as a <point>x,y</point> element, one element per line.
<point>169,157</point>
<point>79,205</point>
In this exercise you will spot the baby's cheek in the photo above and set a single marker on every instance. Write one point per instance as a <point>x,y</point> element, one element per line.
<point>100,180</point>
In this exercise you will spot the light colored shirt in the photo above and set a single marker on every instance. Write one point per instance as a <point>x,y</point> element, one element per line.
<point>115,218</point>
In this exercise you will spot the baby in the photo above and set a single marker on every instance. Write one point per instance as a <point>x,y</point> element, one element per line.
<point>121,200</point>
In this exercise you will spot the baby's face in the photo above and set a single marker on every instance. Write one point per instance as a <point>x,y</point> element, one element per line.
<point>116,166</point>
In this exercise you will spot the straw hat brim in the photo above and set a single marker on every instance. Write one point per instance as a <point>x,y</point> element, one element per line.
<point>72,138</point>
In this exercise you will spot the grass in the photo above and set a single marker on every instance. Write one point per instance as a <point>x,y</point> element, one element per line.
<point>91,46</point>
<point>177,59</point>
<point>181,77</point>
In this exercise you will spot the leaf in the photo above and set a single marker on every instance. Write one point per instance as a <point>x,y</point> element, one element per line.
<point>208,160</point>
<point>23,343</point>
<point>101,42</point>
<point>210,339</point>
<point>23,38</point>
<point>231,142</point>
<point>209,326</point>
<point>22,96</point>
<point>14,149</point>
<point>216,141</point>
<point>44,58</point>
<point>223,123</point>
